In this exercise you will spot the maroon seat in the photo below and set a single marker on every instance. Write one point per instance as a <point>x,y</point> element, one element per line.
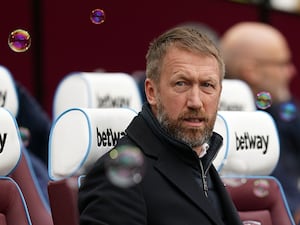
<point>38,209</point>
<point>13,209</point>
<point>256,217</point>
<point>259,198</point>
<point>15,163</point>
<point>63,201</point>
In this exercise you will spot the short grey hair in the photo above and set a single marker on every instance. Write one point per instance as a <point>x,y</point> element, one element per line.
<point>184,37</point>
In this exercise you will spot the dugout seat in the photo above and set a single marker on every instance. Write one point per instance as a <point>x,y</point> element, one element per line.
<point>236,95</point>
<point>13,208</point>
<point>78,137</point>
<point>96,90</point>
<point>15,163</point>
<point>16,168</point>
<point>260,199</point>
<point>247,158</point>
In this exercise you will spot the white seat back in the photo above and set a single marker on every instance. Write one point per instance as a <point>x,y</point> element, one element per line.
<point>96,90</point>
<point>251,143</point>
<point>236,95</point>
<point>10,143</point>
<point>8,93</point>
<point>79,136</point>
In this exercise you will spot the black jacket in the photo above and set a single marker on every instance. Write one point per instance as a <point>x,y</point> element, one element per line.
<point>170,191</point>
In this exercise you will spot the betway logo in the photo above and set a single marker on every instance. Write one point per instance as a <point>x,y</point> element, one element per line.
<point>3,95</point>
<point>2,141</point>
<point>108,101</point>
<point>248,142</point>
<point>108,137</point>
<point>230,107</point>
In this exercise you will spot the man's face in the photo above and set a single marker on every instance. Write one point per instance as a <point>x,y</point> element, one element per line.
<point>186,99</point>
<point>274,69</point>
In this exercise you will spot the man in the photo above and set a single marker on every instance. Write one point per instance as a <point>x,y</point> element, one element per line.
<point>259,54</point>
<point>174,131</point>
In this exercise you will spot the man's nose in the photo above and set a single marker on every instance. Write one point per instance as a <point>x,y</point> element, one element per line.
<point>194,98</point>
<point>292,70</point>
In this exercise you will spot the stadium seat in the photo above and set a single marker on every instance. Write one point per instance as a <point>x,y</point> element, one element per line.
<point>8,93</point>
<point>37,205</point>
<point>250,143</point>
<point>16,165</point>
<point>236,95</point>
<point>259,198</point>
<point>78,137</point>
<point>13,208</point>
<point>248,156</point>
<point>63,200</point>
<point>96,90</point>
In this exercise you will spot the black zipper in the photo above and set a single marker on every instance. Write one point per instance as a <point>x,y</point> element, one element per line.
<point>204,180</point>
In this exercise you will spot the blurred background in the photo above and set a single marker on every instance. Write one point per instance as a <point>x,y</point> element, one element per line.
<point>64,40</point>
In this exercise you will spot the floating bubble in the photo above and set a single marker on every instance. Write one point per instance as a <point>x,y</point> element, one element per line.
<point>261,188</point>
<point>97,16</point>
<point>19,40</point>
<point>288,111</point>
<point>125,166</point>
<point>263,100</point>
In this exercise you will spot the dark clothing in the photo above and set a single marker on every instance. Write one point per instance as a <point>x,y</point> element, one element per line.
<point>287,118</point>
<point>31,116</point>
<point>171,191</point>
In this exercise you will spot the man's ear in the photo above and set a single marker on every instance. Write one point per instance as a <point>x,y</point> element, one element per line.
<point>150,91</point>
<point>250,74</point>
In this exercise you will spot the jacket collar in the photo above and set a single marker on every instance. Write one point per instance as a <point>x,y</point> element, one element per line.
<point>186,153</point>
<point>169,154</point>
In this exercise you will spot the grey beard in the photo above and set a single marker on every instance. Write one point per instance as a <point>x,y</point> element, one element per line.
<point>175,131</point>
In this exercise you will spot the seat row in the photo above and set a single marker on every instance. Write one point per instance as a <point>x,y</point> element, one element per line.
<point>83,130</point>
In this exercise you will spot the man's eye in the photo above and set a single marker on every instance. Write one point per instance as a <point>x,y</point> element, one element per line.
<point>207,84</point>
<point>180,83</point>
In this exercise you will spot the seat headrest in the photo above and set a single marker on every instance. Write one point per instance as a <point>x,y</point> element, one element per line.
<point>236,95</point>
<point>79,136</point>
<point>97,90</point>
<point>10,143</point>
<point>8,93</point>
<point>250,143</point>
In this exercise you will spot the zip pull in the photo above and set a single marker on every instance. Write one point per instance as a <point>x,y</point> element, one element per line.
<point>205,186</point>
<point>204,181</point>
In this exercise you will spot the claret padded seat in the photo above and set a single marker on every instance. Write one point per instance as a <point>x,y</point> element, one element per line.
<point>8,92</point>
<point>96,90</point>
<point>79,136</point>
<point>13,208</point>
<point>21,201</point>
<point>23,173</point>
<point>236,95</point>
<point>249,155</point>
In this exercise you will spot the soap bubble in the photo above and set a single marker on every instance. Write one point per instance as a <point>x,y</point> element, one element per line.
<point>261,188</point>
<point>288,111</point>
<point>263,100</point>
<point>125,166</point>
<point>97,16</point>
<point>19,40</point>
